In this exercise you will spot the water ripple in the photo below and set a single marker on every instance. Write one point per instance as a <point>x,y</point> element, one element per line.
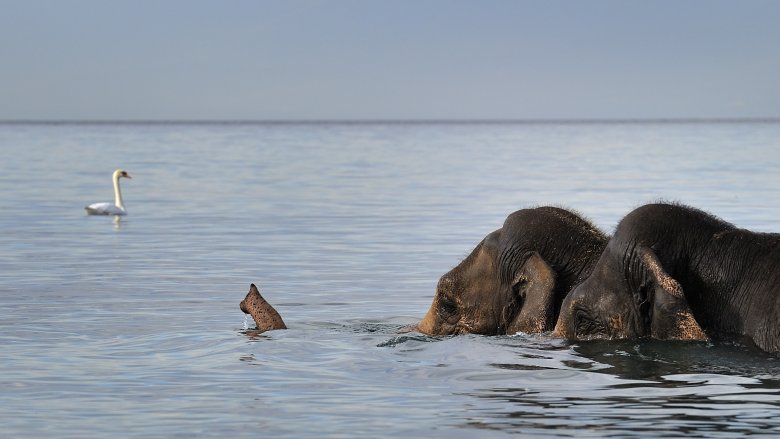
<point>133,328</point>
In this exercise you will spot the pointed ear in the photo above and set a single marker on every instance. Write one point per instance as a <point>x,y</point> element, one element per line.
<point>533,290</point>
<point>672,318</point>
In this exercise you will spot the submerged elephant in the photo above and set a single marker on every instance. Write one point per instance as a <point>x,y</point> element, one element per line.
<point>675,272</point>
<point>517,277</point>
<point>265,316</point>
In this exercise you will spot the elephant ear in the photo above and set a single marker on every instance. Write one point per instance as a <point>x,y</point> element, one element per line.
<point>670,316</point>
<point>533,288</point>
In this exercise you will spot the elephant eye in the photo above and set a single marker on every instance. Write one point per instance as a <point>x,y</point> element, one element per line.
<point>585,325</point>
<point>519,287</point>
<point>448,310</point>
<point>447,305</point>
<point>518,295</point>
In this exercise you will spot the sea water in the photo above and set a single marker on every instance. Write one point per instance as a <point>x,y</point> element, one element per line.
<point>131,328</point>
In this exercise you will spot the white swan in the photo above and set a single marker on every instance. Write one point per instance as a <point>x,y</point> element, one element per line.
<point>118,208</point>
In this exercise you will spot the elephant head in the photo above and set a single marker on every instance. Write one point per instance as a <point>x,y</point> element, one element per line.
<point>628,295</point>
<point>515,279</point>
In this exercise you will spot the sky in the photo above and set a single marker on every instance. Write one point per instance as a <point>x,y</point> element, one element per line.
<point>393,59</point>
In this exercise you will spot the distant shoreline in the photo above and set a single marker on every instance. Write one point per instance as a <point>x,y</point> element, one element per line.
<point>605,121</point>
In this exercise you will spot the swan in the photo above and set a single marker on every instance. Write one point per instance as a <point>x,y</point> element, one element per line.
<point>118,208</point>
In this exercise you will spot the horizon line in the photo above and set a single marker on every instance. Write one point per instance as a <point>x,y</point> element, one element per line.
<point>391,121</point>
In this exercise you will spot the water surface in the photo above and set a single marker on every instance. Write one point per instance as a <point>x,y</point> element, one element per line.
<point>132,328</point>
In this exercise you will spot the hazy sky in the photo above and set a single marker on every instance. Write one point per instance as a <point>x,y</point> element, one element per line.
<point>393,59</point>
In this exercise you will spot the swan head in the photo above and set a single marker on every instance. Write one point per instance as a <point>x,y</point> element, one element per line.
<point>121,173</point>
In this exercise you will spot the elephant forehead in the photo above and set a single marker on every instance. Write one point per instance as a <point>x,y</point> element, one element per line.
<point>479,268</point>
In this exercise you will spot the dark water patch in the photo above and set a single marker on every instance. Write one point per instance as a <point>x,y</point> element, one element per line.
<point>655,359</point>
<point>640,389</point>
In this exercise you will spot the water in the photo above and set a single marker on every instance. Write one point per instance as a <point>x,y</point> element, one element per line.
<point>132,328</point>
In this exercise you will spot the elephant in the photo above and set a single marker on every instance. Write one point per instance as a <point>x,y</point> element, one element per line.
<point>517,276</point>
<point>265,316</point>
<point>674,272</point>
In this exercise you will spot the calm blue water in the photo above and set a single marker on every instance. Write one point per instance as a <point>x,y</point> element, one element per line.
<point>132,328</point>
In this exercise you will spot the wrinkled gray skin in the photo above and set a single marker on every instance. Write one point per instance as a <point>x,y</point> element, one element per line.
<point>517,277</point>
<point>674,272</point>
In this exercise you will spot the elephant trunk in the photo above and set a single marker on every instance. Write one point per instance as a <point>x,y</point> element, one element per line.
<point>265,316</point>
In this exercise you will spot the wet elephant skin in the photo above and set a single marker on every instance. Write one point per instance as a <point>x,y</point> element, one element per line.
<point>516,278</point>
<point>675,272</point>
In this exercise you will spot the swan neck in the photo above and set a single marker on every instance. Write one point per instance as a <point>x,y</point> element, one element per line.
<point>118,193</point>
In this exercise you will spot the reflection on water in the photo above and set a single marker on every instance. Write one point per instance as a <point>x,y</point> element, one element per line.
<point>347,228</point>
<point>638,389</point>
